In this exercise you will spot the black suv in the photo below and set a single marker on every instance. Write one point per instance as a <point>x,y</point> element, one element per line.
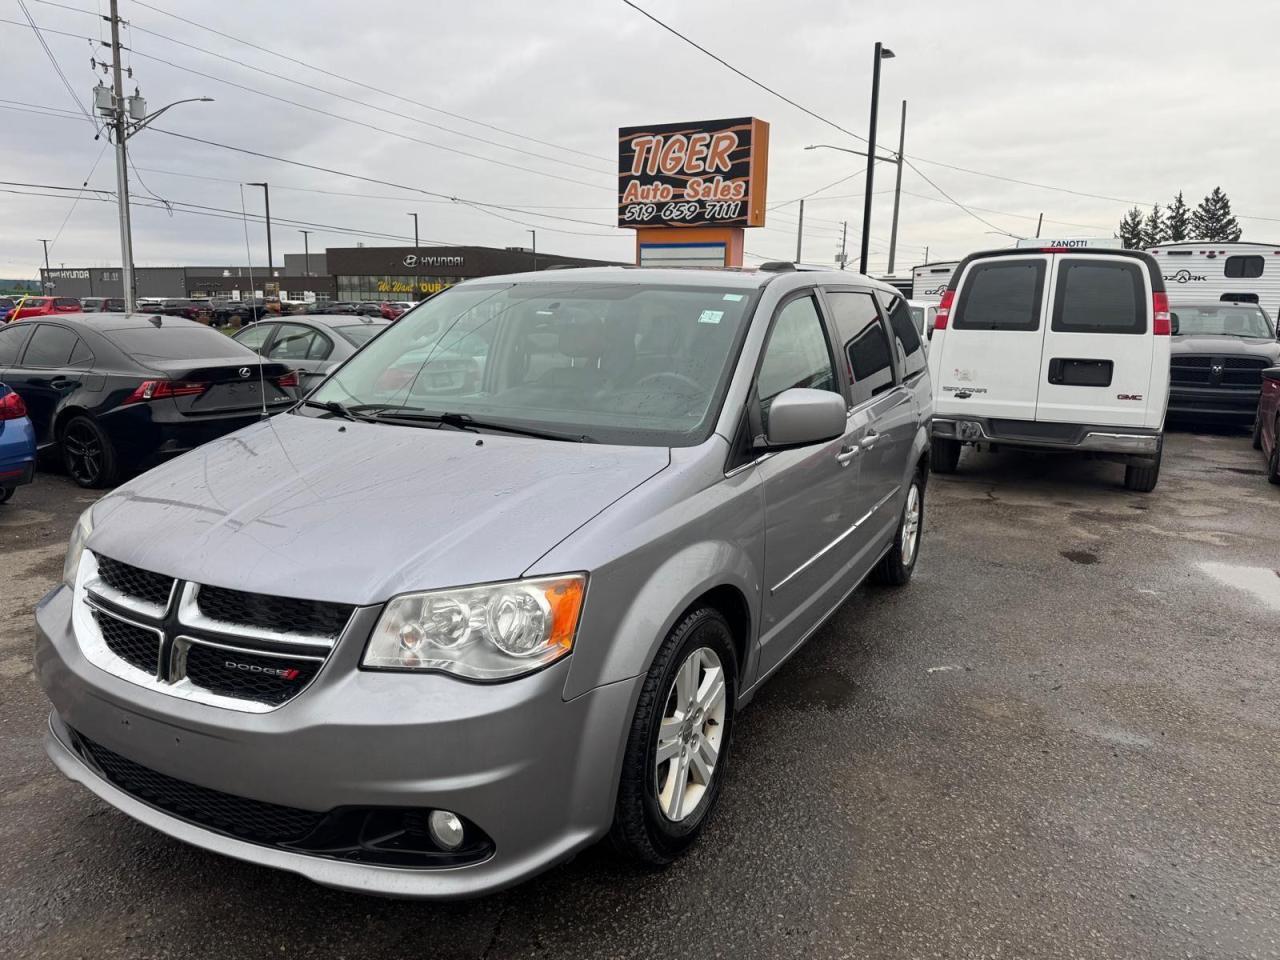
<point>1217,356</point>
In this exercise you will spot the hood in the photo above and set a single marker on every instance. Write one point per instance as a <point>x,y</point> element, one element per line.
<point>1263,347</point>
<point>358,512</point>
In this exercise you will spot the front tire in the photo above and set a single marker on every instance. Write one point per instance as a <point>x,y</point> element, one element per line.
<point>88,454</point>
<point>1273,463</point>
<point>1257,431</point>
<point>6,493</point>
<point>679,741</point>
<point>944,455</point>
<point>896,566</point>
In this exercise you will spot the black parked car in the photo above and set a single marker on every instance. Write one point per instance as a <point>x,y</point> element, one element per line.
<point>1218,353</point>
<point>246,311</point>
<point>117,392</point>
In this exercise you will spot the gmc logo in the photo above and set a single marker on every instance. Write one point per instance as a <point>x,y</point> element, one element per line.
<point>1128,396</point>
<point>284,673</point>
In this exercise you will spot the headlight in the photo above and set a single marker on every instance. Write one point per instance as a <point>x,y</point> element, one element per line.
<point>75,549</point>
<point>490,632</point>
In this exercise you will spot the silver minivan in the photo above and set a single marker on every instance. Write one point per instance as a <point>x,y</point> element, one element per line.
<point>497,588</point>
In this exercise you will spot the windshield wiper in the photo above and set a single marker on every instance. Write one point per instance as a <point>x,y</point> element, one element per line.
<point>338,409</point>
<point>465,421</point>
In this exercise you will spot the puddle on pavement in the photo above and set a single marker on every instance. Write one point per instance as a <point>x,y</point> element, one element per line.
<point>1079,556</point>
<point>1262,582</point>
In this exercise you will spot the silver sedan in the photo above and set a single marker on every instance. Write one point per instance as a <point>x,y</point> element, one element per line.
<point>314,345</point>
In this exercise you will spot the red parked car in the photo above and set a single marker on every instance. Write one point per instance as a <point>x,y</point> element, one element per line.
<point>45,306</point>
<point>1266,428</point>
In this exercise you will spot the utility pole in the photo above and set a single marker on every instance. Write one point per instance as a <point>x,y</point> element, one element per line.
<point>306,251</point>
<point>1039,224</point>
<point>882,53</point>
<point>266,199</point>
<point>926,253</point>
<point>897,188</point>
<point>534,234</point>
<point>844,237</point>
<point>46,286</point>
<point>800,233</point>
<point>415,230</point>
<point>122,162</point>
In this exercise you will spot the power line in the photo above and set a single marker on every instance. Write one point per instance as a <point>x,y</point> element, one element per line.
<point>744,76</point>
<point>330,93</point>
<point>76,202</point>
<point>277,55</point>
<point>951,198</point>
<point>54,60</point>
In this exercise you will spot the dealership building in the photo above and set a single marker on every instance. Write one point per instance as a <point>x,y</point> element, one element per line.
<point>340,273</point>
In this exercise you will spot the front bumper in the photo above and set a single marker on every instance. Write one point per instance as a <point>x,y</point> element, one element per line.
<point>536,773</point>
<point>1214,403</point>
<point>1135,442</point>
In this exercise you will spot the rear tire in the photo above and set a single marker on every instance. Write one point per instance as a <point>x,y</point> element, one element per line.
<point>648,825</point>
<point>1273,464</point>
<point>6,493</point>
<point>944,455</point>
<point>88,453</point>
<point>1257,431</point>
<point>896,566</point>
<point>1143,478</point>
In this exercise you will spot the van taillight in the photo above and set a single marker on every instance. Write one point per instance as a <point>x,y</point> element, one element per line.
<point>1160,323</point>
<point>12,407</point>
<point>944,310</point>
<point>164,389</point>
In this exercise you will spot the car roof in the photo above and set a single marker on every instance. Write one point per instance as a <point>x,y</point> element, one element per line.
<point>102,322</point>
<point>743,277</point>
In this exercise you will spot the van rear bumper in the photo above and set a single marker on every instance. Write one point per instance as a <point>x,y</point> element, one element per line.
<point>1138,442</point>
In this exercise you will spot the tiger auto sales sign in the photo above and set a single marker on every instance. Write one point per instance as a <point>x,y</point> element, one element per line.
<point>704,173</point>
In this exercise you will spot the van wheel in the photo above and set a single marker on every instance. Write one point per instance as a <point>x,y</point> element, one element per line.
<point>896,566</point>
<point>1142,479</point>
<point>944,455</point>
<point>679,741</point>
<point>1257,431</point>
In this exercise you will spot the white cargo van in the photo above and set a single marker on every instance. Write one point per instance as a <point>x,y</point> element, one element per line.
<point>1197,271</point>
<point>1057,349</point>
<point>929,280</point>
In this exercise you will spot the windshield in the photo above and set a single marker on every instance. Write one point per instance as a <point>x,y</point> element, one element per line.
<point>614,362</point>
<point>361,333</point>
<point>1228,320</point>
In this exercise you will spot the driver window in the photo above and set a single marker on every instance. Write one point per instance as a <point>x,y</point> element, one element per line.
<point>797,355</point>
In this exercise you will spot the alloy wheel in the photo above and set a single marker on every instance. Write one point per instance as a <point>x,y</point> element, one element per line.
<point>83,450</point>
<point>690,735</point>
<point>911,525</point>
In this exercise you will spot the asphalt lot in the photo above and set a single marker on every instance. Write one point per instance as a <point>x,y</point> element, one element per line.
<point>1061,740</point>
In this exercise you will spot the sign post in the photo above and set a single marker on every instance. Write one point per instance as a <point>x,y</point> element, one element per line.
<point>690,189</point>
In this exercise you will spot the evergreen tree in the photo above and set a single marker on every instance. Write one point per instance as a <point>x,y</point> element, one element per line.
<point>1177,223</point>
<point>1212,219</point>
<point>1154,229</point>
<point>1131,229</point>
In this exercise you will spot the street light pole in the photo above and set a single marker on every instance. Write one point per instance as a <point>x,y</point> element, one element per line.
<point>897,187</point>
<point>266,198</point>
<point>844,238</point>
<point>415,230</point>
<point>800,233</point>
<point>882,53</point>
<point>45,286</point>
<point>534,233</point>
<point>306,251</point>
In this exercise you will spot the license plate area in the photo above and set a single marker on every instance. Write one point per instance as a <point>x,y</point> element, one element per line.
<point>1072,372</point>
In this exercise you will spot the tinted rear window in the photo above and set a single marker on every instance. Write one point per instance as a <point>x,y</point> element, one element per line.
<point>1001,295</point>
<point>360,334</point>
<point>1099,296</point>
<point>176,343</point>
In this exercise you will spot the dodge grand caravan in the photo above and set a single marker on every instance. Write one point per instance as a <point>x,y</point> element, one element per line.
<point>428,634</point>
<point>1057,349</point>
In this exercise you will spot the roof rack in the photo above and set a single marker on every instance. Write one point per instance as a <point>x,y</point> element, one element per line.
<point>786,266</point>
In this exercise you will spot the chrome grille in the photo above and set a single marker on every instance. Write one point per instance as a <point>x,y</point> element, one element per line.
<point>229,648</point>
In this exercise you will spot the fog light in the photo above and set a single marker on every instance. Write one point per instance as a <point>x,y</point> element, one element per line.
<point>446,829</point>
<point>970,430</point>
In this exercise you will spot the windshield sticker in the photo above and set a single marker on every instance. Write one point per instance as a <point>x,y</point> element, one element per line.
<point>711,316</point>
<point>733,297</point>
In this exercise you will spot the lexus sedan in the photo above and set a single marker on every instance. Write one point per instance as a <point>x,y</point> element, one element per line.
<point>427,637</point>
<point>313,344</point>
<point>115,392</point>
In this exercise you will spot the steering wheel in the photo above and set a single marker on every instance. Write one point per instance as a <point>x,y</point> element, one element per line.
<point>672,375</point>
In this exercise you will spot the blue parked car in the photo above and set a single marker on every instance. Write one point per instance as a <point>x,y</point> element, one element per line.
<point>17,444</point>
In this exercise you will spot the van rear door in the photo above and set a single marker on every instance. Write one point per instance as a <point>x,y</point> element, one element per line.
<point>990,353</point>
<point>1098,347</point>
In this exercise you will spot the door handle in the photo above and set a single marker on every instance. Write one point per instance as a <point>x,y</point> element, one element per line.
<point>870,440</point>
<point>847,453</point>
<point>62,383</point>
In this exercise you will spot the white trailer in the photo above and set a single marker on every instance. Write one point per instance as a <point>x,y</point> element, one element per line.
<point>929,280</point>
<point>1196,271</point>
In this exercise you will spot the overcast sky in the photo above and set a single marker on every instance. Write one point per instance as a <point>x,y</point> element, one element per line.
<point>1130,100</point>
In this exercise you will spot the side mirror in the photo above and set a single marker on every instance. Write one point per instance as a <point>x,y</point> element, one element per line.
<point>800,416</point>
